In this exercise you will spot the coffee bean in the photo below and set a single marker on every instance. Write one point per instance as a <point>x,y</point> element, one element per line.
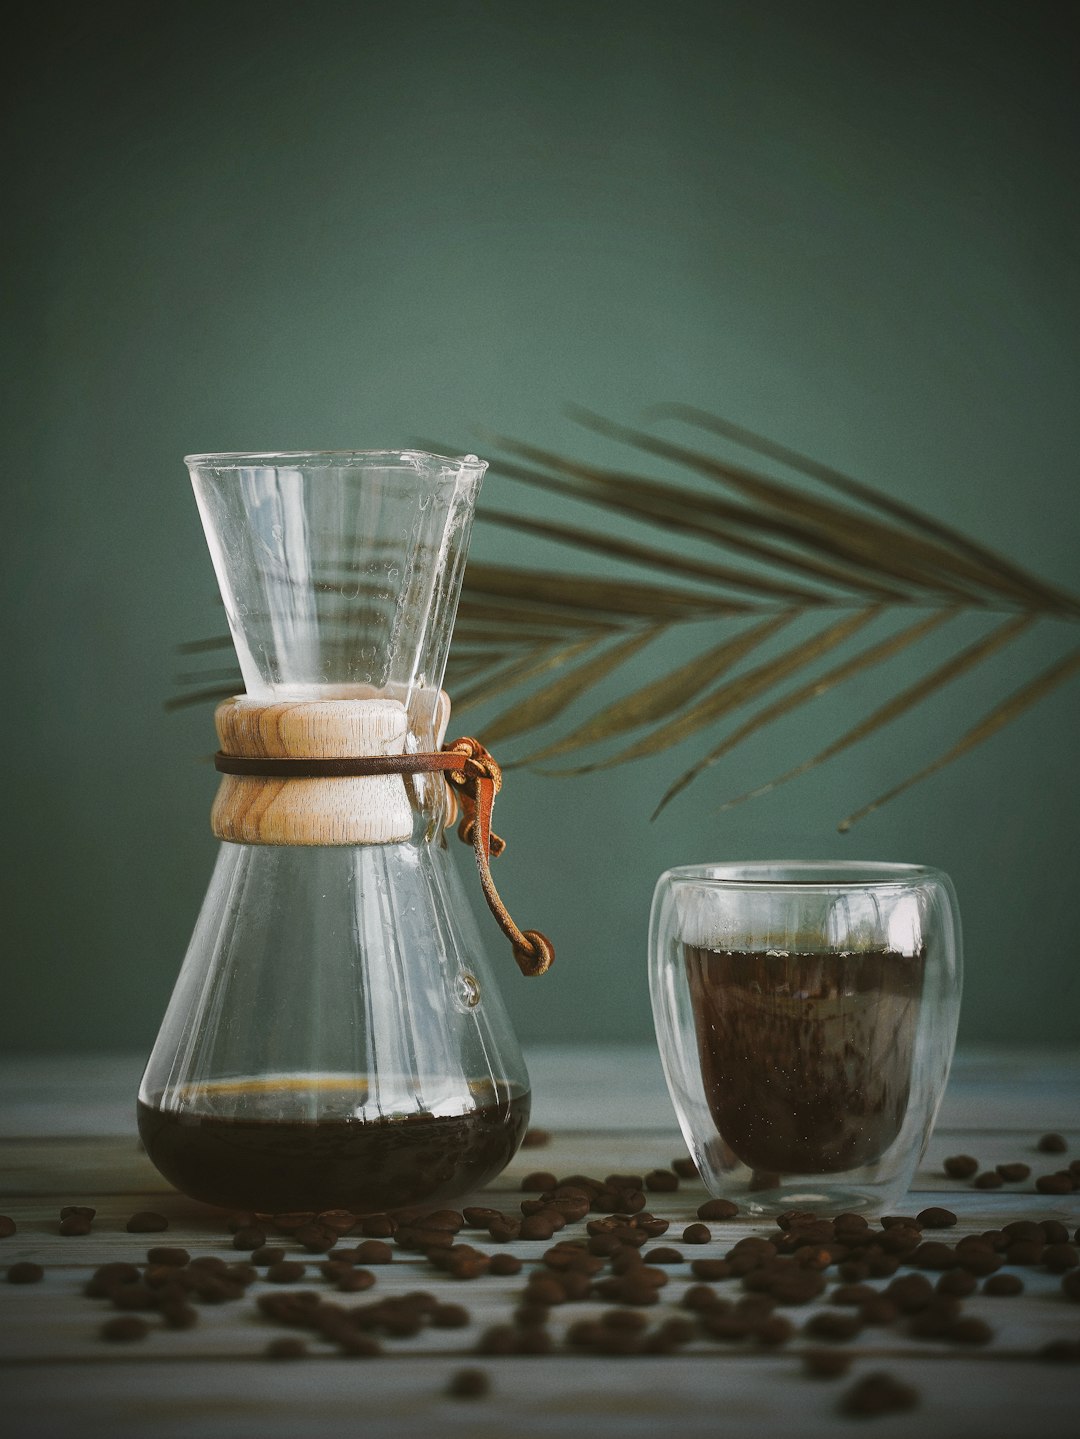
<point>1059,1257</point>
<point>478,1217</point>
<point>881,1266</point>
<point>1014,1173</point>
<point>961,1166</point>
<point>1023,1229</point>
<point>910,1293</point>
<point>535,1138</point>
<point>1061,1351</point>
<point>663,1256</point>
<point>717,1209</point>
<point>7,1226</point>
<point>936,1218</point>
<point>795,1285</point>
<point>286,1348</point>
<point>504,1230</point>
<point>354,1281</point>
<point>935,1255</point>
<point>378,1226</point>
<point>1052,1144</point>
<point>267,1254</point>
<point>177,1315</point>
<point>855,1294</point>
<point>341,1221</point>
<point>989,1179</point>
<point>711,1269</point>
<point>539,1181</point>
<point>286,1271</point>
<point>314,1237</point>
<point>879,1393</point>
<point>826,1363</point>
<point>958,1282</point>
<point>1003,1284</point>
<point>1025,1251</point>
<point>287,1223</point>
<point>899,1221</point>
<point>175,1258</point>
<point>505,1264</point>
<point>25,1273</point>
<point>373,1251</point>
<point>970,1330</point>
<point>696,1234</point>
<point>685,1167</point>
<point>1053,1231</point>
<point>449,1316</point>
<point>209,1262</point>
<point>534,1226</point>
<point>1070,1284</point>
<point>773,1331</point>
<point>146,1222</point>
<point>77,1224</point>
<point>834,1327</point>
<point>662,1181</point>
<point>880,1311</point>
<point>249,1239</point>
<point>1054,1184</point>
<point>124,1327</point>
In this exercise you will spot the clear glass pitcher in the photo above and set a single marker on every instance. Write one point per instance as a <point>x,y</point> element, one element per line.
<point>335,1039</point>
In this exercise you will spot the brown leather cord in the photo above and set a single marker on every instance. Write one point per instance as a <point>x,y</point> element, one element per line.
<point>475,778</point>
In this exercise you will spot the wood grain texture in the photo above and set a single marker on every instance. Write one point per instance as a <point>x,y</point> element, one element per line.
<point>256,810</point>
<point>58,1378</point>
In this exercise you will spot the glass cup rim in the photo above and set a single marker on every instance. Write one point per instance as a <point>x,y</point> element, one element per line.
<point>422,463</point>
<point>799,875</point>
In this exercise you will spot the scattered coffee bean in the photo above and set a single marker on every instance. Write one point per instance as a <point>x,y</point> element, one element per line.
<point>373,1251</point>
<point>1054,1184</point>
<point>899,1221</point>
<point>684,1167</point>
<point>1014,1173</point>
<point>7,1226</point>
<point>178,1315</point>
<point>505,1264</point>
<point>173,1258</point>
<point>1002,1284</point>
<point>25,1273</point>
<point>538,1182</point>
<point>477,1217</point>
<point>77,1224</point>
<point>286,1348</point>
<point>286,1271</point>
<point>663,1255</point>
<point>315,1238</point>
<point>710,1269</point>
<point>1052,1144</point>
<point>970,1330</point>
<point>958,1282</point>
<point>879,1393</point>
<point>474,1383</point>
<point>1061,1351</point>
<point>717,1209</point>
<point>662,1181</point>
<point>961,1166</point>
<point>124,1327</point>
<point>697,1234</point>
<point>833,1327</point>
<point>534,1226</point>
<point>536,1138</point>
<point>504,1229</point>
<point>1053,1231</point>
<point>989,1179</point>
<point>378,1226</point>
<point>146,1222</point>
<point>249,1238</point>
<point>267,1254</point>
<point>826,1363</point>
<point>936,1218</point>
<point>1059,1257</point>
<point>881,1311</point>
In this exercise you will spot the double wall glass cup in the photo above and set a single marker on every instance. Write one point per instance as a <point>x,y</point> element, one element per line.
<point>806,1016</point>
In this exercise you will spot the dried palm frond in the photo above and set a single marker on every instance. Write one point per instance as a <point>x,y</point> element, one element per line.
<point>749,555</point>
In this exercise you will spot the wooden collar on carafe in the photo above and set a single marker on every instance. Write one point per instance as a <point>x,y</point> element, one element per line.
<point>334,772</point>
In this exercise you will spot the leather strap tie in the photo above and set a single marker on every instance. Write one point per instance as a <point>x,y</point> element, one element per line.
<point>475,778</point>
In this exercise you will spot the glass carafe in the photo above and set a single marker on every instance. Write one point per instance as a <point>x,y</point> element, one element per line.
<point>335,1039</point>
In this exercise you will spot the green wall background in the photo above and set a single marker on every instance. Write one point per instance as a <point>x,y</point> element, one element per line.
<point>851,227</point>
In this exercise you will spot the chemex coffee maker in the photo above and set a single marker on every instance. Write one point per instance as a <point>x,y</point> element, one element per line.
<point>335,1038</point>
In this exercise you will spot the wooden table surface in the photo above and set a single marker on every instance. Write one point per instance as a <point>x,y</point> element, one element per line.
<point>67,1136</point>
